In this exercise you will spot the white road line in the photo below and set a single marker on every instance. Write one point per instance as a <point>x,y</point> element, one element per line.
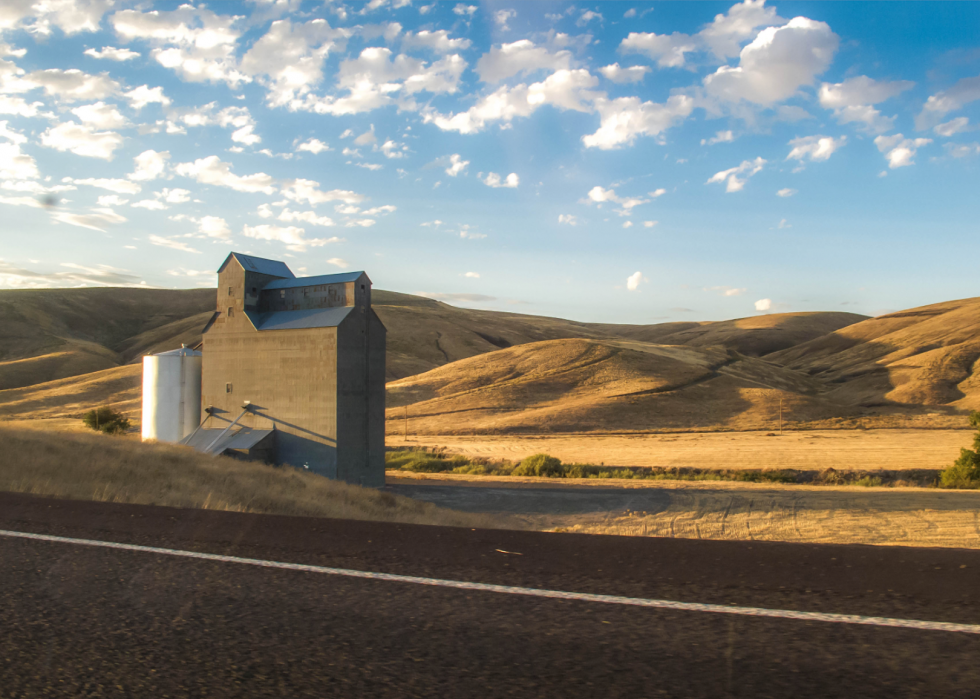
<point>526,591</point>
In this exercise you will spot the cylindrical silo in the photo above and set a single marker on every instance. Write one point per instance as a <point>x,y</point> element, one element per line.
<point>171,394</point>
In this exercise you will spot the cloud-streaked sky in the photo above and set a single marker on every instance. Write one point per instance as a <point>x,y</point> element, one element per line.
<point>619,162</point>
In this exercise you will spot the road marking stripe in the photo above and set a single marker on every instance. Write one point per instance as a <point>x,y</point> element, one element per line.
<point>525,591</point>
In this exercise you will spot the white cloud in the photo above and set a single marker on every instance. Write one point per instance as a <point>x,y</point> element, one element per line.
<point>563,89</point>
<point>954,126</point>
<point>150,165</point>
<point>293,237</point>
<point>634,280</point>
<point>174,196</point>
<point>726,290</point>
<point>393,149</point>
<point>627,224</point>
<point>172,244</point>
<point>96,221</point>
<point>520,57</point>
<point>658,193</point>
<point>82,140</point>
<point>814,148</point>
<point>472,275</point>
<point>852,101</point>
<point>367,166</point>
<point>568,219</point>
<point>314,146</point>
<point>720,137</point>
<point>16,165</point>
<point>214,227</point>
<point>150,204</point>
<point>212,171</point>
<point>632,74</point>
<point>361,222</point>
<point>237,118</point>
<point>938,105</point>
<point>112,200</point>
<point>18,106</point>
<point>783,224</point>
<point>502,17</point>
<point>465,10</point>
<point>747,169</point>
<point>763,304</point>
<point>77,275</point>
<point>898,150</point>
<point>309,191</point>
<point>374,211</point>
<point>776,64</point>
<point>67,85</point>
<point>100,116</point>
<point>309,217</point>
<point>668,50</point>
<point>586,17</point>
<point>456,165</point>
<point>649,224</point>
<point>623,119</point>
<point>962,150</point>
<point>366,138</point>
<point>438,41</point>
<point>113,54</point>
<point>113,185</point>
<point>196,43</point>
<point>493,180</point>
<point>786,192</point>
<point>338,262</point>
<point>144,95</point>
<point>599,195</point>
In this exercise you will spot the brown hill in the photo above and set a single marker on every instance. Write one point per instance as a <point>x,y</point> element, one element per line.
<point>922,356</point>
<point>602,385</point>
<point>119,388</point>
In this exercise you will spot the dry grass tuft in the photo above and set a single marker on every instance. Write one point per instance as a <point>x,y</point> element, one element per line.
<point>115,469</point>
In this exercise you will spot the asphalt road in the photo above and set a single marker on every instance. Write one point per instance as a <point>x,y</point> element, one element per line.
<point>83,621</point>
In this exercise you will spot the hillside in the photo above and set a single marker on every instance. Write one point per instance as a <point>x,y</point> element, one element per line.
<point>57,333</point>
<point>602,385</point>
<point>923,356</point>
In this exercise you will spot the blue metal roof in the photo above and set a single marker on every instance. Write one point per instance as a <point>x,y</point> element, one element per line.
<point>298,320</point>
<point>273,268</point>
<point>314,281</point>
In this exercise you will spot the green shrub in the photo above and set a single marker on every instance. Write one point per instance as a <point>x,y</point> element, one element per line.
<point>106,420</point>
<point>965,471</point>
<point>540,465</point>
<point>868,482</point>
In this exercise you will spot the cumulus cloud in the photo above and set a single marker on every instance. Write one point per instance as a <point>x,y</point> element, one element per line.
<point>70,85</point>
<point>502,17</point>
<point>112,53</point>
<point>952,127</point>
<point>150,165</point>
<point>314,146</point>
<point>945,101</point>
<point>520,57</point>
<point>212,171</point>
<point>776,64</point>
<point>82,140</point>
<point>214,227</point>
<point>600,195</point>
<point>625,118</point>
<point>465,10</point>
<point>735,177</point>
<point>786,192</point>
<point>338,262</point>
<point>568,219</point>
<point>309,217</point>
<point>456,165</point>
<point>632,74</point>
<point>292,236</point>
<point>15,164</point>
<point>437,41</point>
<point>308,191</point>
<point>237,118</point>
<point>494,180</point>
<point>649,224</point>
<point>100,116</point>
<point>814,148</point>
<point>144,95</point>
<point>853,100</point>
<point>962,150</point>
<point>719,137</point>
<point>763,305</point>
<point>634,280</point>
<point>668,50</point>
<point>898,150</point>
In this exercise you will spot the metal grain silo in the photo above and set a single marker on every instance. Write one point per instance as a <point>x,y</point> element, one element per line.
<point>171,394</point>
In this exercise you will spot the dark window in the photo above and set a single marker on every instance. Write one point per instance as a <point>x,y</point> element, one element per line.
<point>229,291</point>
<point>231,312</point>
<point>254,290</point>
<point>282,294</point>
<point>362,286</point>
<point>227,388</point>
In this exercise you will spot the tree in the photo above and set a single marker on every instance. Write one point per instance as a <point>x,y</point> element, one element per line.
<point>106,420</point>
<point>965,471</point>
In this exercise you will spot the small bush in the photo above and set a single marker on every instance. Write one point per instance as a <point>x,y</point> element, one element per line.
<point>106,420</point>
<point>540,465</point>
<point>868,482</point>
<point>965,471</point>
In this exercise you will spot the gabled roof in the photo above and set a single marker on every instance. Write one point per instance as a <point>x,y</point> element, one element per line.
<point>297,320</point>
<point>315,281</point>
<point>273,268</point>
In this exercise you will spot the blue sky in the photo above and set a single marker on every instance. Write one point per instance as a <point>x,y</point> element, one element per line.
<point>616,162</point>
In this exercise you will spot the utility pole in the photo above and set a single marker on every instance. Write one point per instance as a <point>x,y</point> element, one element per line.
<point>780,416</point>
<point>406,422</point>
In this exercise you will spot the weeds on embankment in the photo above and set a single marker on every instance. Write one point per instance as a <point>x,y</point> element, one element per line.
<point>542,465</point>
<point>99,467</point>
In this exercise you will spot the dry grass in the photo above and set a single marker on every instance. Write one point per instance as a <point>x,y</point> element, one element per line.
<point>858,450</point>
<point>119,388</point>
<point>119,469</point>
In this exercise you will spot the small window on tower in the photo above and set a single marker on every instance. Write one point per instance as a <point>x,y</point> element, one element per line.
<point>282,293</point>
<point>231,312</point>
<point>227,388</point>
<point>229,291</point>
<point>362,287</point>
